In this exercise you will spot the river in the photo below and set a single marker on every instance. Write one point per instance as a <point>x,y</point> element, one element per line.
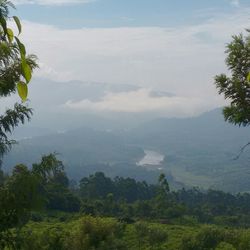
<point>151,158</point>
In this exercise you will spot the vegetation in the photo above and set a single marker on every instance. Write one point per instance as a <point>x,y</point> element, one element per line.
<point>119,213</point>
<point>236,88</point>
<point>18,193</point>
<point>105,233</point>
<point>15,74</point>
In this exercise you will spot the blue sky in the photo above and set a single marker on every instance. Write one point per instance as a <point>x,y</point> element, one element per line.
<point>175,46</point>
<point>131,13</point>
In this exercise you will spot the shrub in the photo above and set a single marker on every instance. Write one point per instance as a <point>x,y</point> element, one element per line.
<point>96,233</point>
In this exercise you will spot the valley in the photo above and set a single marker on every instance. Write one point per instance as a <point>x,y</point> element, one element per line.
<point>196,151</point>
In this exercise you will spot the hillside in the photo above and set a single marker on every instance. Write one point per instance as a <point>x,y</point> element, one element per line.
<point>198,151</point>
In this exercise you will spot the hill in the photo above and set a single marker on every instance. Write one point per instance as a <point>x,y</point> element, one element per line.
<point>198,151</point>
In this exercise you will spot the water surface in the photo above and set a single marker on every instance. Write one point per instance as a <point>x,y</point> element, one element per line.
<point>151,158</point>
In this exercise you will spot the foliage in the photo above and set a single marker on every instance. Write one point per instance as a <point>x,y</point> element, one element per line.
<point>108,233</point>
<point>15,73</point>
<point>96,233</point>
<point>44,186</point>
<point>55,184</point>
<point>98,186</point>
<point>236,87</point>
<point>132,224</point>
<point>18,196</point>
<point>149,235</point>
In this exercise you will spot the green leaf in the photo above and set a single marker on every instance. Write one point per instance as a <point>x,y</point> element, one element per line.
<point>18,24</point>
<point>10,35</point>
<point>22,90</point>
<point>3,24</point>
<point>26,70</point>
<point>248,77</point>
<point>21,47</point>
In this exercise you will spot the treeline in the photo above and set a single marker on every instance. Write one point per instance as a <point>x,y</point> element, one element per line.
<point>126,198</point>
<point>33,194</point>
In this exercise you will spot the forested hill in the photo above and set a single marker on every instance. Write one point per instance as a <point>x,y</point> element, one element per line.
<point>198,151</point>
<point>208,129</point>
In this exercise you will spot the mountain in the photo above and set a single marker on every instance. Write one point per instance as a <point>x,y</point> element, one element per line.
<point>83,152</point>
<point>198,151</point>
<point>80,146</point>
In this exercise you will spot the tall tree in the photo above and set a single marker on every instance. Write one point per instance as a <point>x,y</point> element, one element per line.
<point>19,195</point>
<point>54,184</point>
<point>19,192</point>
<point>16,69</point>
<point>236,87</point>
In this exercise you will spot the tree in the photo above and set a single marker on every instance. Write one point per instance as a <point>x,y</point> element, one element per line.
<point>163,183</point>
<point>236,88</point>
<point>50,168</point>
<point>16,69</point>
<point>96,186</point>
<point>18,194</point>
<point>18,197</point>
<point>54,184</point>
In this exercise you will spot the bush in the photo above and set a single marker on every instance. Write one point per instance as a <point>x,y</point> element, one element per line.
<point>207,238</point>
<point>96,233</point>
<point>46,238</point>
<point>225,246</point>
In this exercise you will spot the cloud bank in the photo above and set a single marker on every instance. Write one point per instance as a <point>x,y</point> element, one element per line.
<point>140,101</point>
<point>181,60</point>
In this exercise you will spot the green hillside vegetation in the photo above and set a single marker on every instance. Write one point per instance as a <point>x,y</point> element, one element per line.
<point>42,209</point>
<point>109,234</point>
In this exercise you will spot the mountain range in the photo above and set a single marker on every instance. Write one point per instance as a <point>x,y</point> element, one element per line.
<point>198,151</point>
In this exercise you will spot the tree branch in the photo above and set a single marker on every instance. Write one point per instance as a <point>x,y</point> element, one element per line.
<point>241,151</point>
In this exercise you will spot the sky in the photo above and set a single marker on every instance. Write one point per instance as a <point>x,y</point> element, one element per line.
<point>175,46</point>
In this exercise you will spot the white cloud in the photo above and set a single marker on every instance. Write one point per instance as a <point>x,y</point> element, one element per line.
<point>141,101</point>
<point>182,60</point>
<point>52,2</point>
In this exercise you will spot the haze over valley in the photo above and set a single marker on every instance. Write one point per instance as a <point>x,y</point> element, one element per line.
<point>198,150</point>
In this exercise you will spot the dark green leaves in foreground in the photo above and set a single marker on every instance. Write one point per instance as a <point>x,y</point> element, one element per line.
<point>18,24</point>
<point>16,55</point>
<point>236,87</point>
<point>16,72</point>
<point>21,47</point>
<point>3,23</point>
